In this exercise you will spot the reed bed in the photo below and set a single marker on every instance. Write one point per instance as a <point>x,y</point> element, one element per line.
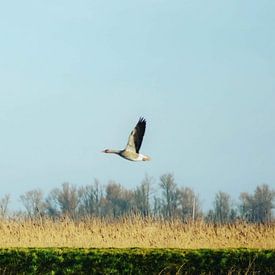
<point>134,232</point>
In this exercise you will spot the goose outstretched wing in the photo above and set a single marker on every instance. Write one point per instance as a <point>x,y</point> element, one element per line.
<point>136,136</point>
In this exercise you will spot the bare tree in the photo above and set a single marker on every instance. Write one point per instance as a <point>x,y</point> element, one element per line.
<point>222,207</point>
<point>258,207</point>
<point>223,211</point>
<point>210,216</point>
<point>188,204</point>
<point>118,200</point>
<point>4,202</point>
<point>63,201</point>
<point>142,197</point>
<point>91,199</point>
<point>33,203</point>
<point>170,195</point>
<point>246,207</point>
<point>157,207</point>
<point>51,204</point>
<point>263,203</point>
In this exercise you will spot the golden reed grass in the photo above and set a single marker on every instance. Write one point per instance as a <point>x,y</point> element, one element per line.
<point>133,232</point>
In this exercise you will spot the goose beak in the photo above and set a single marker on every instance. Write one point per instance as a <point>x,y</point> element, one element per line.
<point>146,158</point>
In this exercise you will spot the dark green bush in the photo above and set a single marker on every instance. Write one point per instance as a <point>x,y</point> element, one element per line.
<point>136,261</point>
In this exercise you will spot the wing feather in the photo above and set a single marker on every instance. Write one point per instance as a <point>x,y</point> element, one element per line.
<point>136,136</point>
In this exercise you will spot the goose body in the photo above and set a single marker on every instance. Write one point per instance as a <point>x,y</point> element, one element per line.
<point>131,151</point>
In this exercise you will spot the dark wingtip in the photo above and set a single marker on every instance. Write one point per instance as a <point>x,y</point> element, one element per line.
<point>142,119</point>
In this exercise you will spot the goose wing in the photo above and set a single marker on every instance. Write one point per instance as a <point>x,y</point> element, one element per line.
<point>136,136</point>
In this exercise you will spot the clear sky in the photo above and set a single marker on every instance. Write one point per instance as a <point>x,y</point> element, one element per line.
<point>75,76</point>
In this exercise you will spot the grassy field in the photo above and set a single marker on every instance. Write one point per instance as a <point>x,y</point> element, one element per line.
<point>134,232</point>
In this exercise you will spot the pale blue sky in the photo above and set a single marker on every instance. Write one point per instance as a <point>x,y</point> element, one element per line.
<point>76,75</point>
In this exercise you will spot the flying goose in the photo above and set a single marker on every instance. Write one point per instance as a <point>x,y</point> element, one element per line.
<point>131,152</point>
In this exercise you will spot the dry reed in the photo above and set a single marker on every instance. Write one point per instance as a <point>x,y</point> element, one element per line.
<point>134,232</point>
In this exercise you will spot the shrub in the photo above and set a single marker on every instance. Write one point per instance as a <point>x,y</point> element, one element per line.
<point>135,261</point>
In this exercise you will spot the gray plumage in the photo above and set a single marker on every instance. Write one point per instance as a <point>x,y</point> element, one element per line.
<point>131,151</point>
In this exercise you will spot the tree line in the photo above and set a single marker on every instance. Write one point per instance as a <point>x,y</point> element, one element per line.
<point>170,201</point>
